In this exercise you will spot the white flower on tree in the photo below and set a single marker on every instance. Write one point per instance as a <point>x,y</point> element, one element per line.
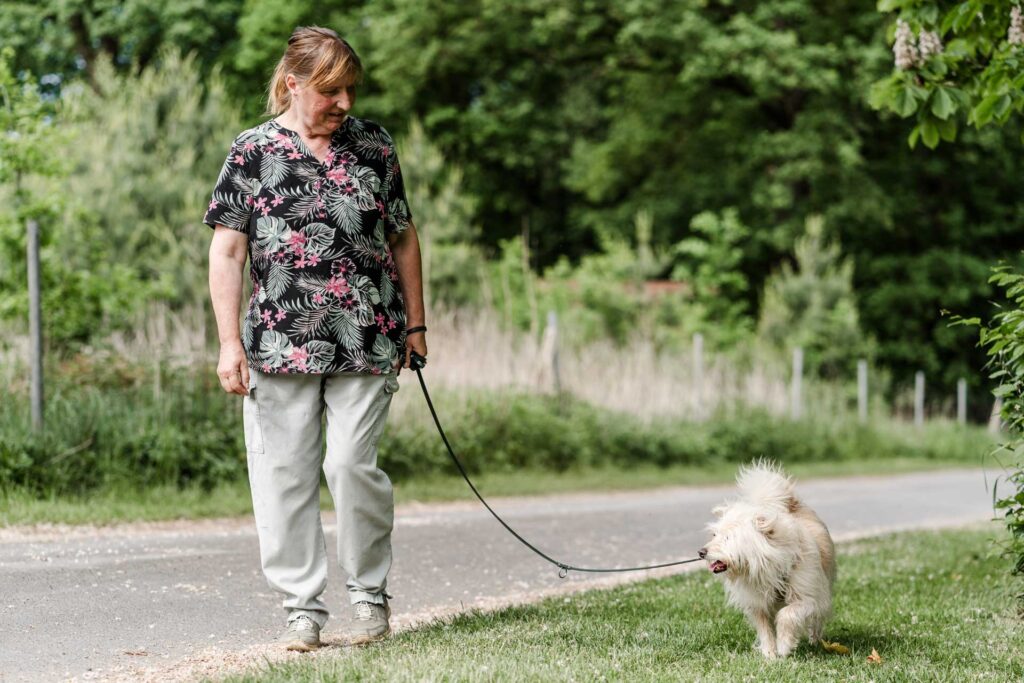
<point>904,49</point>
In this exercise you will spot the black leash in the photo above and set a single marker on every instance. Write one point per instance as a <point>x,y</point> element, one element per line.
<point>416,362</point>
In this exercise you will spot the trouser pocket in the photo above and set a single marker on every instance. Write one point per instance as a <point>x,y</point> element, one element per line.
<point>251,417</point>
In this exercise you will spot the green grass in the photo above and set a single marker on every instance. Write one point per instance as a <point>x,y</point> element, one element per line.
<point>936,606</point>
<point>232,498</point>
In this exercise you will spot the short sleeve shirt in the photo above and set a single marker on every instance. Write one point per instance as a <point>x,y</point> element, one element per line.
<point>325,287</point>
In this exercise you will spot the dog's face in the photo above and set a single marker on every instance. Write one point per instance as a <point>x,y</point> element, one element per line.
<point>742,538</point>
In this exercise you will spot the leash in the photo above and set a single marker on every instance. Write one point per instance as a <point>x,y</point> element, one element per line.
<point>416,362</point>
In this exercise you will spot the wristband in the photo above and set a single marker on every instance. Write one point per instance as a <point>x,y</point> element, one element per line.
<point>418,328</point>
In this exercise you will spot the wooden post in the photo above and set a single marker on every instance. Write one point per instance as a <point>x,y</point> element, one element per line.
<point>698,366</point>
<point>795,388</point>
<point>961,401</point>
<point>862,390</point>
<point>551,344</point>
<point>919,398</point>
<point>35,325</point>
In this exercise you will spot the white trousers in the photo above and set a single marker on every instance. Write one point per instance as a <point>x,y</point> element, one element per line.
<point>284,441</point>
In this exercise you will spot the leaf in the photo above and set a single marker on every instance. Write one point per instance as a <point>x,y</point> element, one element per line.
<point>874,657</point>
<point>929,133</point>
<point>321,354</point>
<point>942,104</point>
<point>904,103</point>
<point>279,277</point>
<point>835,648</point>
<point>274,348</point>
<point>318,237</point>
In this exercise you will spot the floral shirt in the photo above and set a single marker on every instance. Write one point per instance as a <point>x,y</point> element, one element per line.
<point>325,287</point>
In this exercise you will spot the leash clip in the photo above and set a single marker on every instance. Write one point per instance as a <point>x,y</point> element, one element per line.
<point>563,571</point>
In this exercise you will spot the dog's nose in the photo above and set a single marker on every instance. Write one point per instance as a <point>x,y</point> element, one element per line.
<point>702,553</point>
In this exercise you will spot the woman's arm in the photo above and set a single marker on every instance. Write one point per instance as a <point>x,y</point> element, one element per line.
<point>228,251</point>
<point>405,248</point>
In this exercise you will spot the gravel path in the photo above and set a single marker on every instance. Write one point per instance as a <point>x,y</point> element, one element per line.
<point>176,600</point>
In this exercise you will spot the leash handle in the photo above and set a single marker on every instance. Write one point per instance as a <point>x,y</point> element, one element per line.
<point>417,362</point>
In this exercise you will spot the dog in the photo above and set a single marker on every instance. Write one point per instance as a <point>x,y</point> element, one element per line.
<point>776,557</point>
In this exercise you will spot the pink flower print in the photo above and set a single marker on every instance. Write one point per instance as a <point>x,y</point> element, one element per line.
<point>294,155</point>
<point>329,158</point>
<point>285,140</point>
<point>318,298</point>
<point>249,200</point>
<point>260,203</point>
<point>269,149</point>
<point>249,146</point>
<point>265,367</point>
<point>379,318</point>
<point>265,210</point>
<point>266,315</point>
<point>374,370</point>
<point>392,324</point>
<point>298,239</point>
<point>213,205</point>
<point>385,150</point>
<point>347,159</point>
<point>338,287</point>
<point>277,200</point>
<point>338,174</point>
<point>280,315</point>
<point>279,255</point>
<point>301,262</point>
<point>348,187</point>
<point>298,357</point>
<point>313,259</point>
<point>239,159</point>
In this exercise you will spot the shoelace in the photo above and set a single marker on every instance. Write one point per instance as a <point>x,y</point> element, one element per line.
<point>302,623</point>
<point>364,610</point>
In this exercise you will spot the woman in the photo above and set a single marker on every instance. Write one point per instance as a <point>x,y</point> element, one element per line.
<point>315,199</point>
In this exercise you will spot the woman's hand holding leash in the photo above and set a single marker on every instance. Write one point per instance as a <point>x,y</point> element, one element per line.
<point>415,349</point>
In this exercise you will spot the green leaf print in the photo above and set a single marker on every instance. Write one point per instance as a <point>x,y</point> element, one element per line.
<point>384,353</point>
<point>318,237</point>
<point>275,348</point>
<point>321,354</point>
<point>272,233</point>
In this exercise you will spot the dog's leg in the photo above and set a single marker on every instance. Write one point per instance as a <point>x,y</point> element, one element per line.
<point>762,623</point>
<point>790,624</point>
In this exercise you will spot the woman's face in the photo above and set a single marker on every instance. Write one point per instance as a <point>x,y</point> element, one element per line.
<point>321,113</point>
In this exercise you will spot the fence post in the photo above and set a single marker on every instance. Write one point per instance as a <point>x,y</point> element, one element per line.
<point>919,398</point>
<point>35,326</point>
<point>795,399</point>
<point>549,349</point>
<point>862,390</point>
<point>698,366</point>
<point>961,401</point>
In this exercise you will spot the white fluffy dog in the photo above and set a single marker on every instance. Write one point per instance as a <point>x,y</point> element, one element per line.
<point>776,557</point>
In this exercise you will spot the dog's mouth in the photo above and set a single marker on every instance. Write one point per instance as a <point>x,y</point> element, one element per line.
<point>718,566</point>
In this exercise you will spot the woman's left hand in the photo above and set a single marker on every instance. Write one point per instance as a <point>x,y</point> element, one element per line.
<point>417,341</point>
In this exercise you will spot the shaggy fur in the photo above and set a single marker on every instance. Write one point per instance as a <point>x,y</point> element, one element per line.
<point>776,557</point>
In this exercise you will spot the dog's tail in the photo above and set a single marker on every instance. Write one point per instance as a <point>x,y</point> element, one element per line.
<point>764,482</point>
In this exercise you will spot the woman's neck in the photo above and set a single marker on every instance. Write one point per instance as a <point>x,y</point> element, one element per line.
<point>291,121</point>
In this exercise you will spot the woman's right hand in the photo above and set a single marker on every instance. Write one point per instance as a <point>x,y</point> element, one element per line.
<point>233,369</point>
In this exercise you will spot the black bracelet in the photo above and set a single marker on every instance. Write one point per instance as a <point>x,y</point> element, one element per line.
<point>418,328</point>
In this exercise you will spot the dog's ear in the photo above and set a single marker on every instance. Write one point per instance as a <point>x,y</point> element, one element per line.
<point>718,510</point>
<point>765,524</point>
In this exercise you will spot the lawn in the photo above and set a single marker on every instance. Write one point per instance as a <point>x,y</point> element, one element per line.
<point>233,498</point>
<point>936,606</point>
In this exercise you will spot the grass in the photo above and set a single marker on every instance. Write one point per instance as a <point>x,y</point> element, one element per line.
<point>935,605</point>
<point>230,499</point>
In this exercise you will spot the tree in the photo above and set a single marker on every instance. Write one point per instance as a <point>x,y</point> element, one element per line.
<point>964,64</point>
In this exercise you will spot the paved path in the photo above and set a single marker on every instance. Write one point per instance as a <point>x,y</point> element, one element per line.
<point>85,603</point>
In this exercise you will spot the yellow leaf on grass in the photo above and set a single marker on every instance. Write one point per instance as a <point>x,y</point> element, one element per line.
<point>835,648</point>
<point>874,657</point>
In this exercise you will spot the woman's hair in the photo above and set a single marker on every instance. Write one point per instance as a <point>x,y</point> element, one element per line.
<point>318,58</point>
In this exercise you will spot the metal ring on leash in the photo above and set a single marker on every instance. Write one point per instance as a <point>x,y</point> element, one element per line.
<point>416,362</point>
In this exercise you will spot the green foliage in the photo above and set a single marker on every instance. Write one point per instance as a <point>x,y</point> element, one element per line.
<point>108,429</point>
<point>813,306</point>
<point>976,78</point>
<point>124,225</point>
<point>1003,340</point>
<point>453,264</point>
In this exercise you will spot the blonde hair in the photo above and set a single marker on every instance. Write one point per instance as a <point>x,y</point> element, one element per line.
<point>317,57</point>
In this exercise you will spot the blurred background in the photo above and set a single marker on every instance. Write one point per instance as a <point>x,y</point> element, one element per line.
<point>656,233</point>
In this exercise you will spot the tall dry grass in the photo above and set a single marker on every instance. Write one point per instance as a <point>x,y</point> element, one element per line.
<point>473,350</point>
